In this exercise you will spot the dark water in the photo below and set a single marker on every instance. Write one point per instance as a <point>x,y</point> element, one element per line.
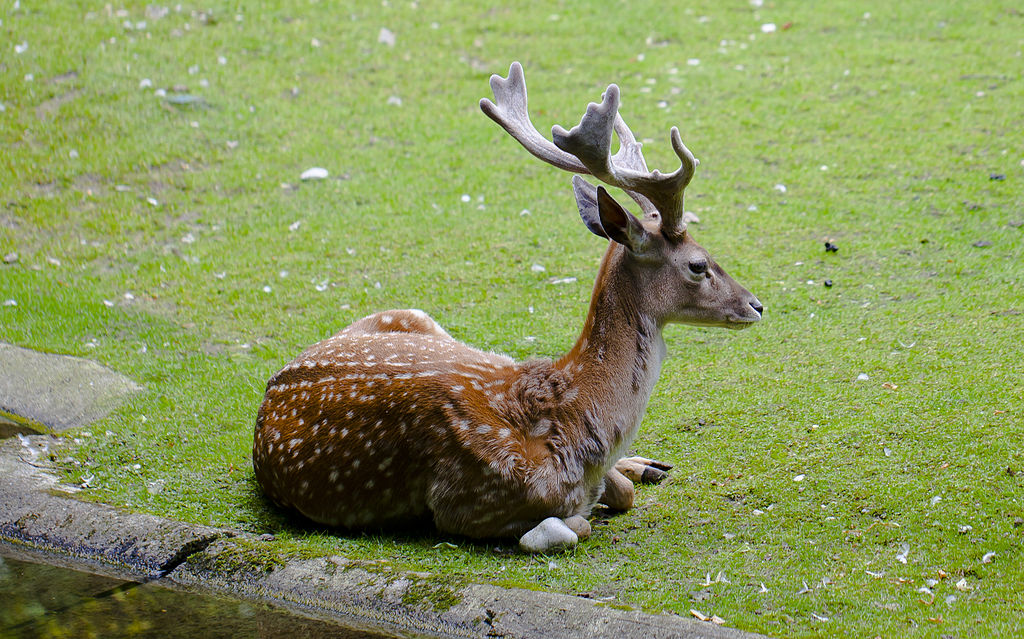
<point>41,601</point>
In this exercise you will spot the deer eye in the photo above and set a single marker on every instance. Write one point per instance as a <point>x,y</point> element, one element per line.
<point>699,267</point>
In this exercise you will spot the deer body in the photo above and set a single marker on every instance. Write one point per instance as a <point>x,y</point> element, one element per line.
<point>392,421</point>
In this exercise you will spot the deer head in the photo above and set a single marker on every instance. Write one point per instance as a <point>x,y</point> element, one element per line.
<point>676,278</point>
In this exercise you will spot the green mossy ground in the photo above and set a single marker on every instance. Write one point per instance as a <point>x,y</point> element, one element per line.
<point>175,243</point>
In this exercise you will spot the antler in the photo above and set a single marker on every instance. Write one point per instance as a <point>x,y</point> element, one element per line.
<point>586,148</point>
<point>510,112</point>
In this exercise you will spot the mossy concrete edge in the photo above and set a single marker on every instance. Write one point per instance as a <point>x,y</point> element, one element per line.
<point>39,513</point>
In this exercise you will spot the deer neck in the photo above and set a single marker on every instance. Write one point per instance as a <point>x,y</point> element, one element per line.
<point>616,360</point>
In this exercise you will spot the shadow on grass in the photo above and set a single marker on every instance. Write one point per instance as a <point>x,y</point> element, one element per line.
<point>267,518</point>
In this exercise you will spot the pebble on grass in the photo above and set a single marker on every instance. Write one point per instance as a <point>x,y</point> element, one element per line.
<point>314,173</point>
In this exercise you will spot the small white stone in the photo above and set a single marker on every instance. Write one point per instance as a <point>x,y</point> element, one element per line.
<point>904,551</point>
<point>550,534</point>
<point>781,188</point>
<point>863,377</point>
<point>386,37</point>
<point>21,48</point>
<point>394,100</point>
<point>315,173</point>
<point>693,62</point>
<point>768,27</point>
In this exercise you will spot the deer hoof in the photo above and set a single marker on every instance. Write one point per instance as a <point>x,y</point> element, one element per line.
<point>641,469</point>
<point>579,525</point>
<point>550,534</point>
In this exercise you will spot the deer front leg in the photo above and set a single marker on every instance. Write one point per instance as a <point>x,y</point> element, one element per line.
<point>618,481</point>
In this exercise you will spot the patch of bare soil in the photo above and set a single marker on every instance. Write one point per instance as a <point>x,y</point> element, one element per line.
<point>49,108</point>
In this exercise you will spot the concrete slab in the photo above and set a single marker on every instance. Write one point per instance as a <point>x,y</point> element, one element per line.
<point>44,391</point>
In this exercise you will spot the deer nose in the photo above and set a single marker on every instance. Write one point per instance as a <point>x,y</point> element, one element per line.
<point>756,305</point>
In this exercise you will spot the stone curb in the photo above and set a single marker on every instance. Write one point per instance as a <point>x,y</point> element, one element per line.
<point>38,513</point>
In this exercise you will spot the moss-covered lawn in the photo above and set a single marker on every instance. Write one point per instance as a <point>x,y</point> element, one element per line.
<point>851,466</point>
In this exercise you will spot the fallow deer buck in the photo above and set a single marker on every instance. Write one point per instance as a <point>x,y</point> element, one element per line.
<point>392,421</point>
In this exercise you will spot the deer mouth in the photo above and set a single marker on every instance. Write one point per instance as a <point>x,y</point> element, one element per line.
<point>740,322</point>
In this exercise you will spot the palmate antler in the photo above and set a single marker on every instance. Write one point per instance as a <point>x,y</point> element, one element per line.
<point>586,148</point>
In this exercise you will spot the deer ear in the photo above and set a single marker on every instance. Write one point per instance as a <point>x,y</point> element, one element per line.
<point>619,224</point>
<point>586,201</point>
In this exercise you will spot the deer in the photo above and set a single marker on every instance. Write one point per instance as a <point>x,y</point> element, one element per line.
<point>393,423</point>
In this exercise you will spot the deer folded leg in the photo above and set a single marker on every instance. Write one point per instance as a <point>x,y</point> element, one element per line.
<point>618,491</point>
<point>641,469</point>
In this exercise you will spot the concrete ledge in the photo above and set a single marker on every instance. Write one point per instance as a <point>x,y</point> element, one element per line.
<point>35,511</point>
<point>38,513</point>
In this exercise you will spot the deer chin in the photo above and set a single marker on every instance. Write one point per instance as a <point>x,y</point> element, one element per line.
<point>732,322</point>
<point>740,324</point>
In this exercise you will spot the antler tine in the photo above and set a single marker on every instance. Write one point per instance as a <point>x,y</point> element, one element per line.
<point>510,112</point>
<point>631,155</point>
<point>590,141</point>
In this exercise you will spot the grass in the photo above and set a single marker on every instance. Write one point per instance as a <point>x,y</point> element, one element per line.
<point>176,244</point>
